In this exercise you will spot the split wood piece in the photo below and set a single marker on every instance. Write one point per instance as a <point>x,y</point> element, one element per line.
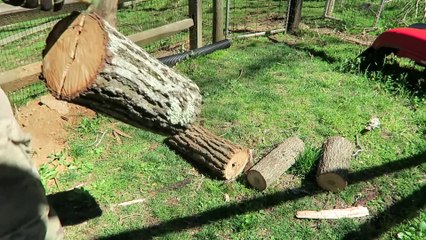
<point>352,212</point>
<point>274,164</point>
<point>334,164</point>
<point>86,61</point>
<point>224,158</point>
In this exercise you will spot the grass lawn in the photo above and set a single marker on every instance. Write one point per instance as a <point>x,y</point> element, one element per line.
<point>256,94</point>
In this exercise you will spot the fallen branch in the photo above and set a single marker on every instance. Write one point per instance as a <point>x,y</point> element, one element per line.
<point>352,212</point>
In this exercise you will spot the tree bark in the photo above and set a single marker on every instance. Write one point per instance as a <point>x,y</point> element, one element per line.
<point>274,164</point>
<point>223,158</point>
<point>295,15</point>
<point>334,164</point>
<point>86,61</point>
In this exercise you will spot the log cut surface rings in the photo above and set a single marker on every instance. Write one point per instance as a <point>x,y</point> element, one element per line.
<point>72,63</point>
<point>334,164</point>
<point>275,163</point>
<point>90,63</point>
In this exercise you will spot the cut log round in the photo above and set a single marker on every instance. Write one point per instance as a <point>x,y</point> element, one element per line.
<point>223,158</point>
<point>275,163</point>
<point>86,61</point>
<point>334,164</point>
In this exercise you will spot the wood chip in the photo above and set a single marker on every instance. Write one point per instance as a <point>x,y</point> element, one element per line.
<point>352,212</point>
<point>123,204</point>
<point>117,137</point>
<point>121,133</point>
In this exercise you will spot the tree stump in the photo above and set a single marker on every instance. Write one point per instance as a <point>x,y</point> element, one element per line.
<point>275,163</point>
<point>223,158</point>
<point>86,61</point>
<point>334,164</point>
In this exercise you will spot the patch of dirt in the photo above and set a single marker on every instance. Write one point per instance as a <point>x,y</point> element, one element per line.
<point>49,121</point>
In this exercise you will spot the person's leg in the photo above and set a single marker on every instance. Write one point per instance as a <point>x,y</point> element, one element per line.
<point>23,204</point>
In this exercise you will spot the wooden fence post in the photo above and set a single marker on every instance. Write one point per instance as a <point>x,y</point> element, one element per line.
<point>218,15</point>
<point>196,31</point>
<point>294,15</point>
<point>107,9</point>
<point>329,7</point>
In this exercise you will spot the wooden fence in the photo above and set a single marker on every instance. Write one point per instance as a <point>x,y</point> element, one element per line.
<point>20,77</point>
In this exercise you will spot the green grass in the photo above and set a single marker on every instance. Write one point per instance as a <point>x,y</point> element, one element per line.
<point>257,94</point>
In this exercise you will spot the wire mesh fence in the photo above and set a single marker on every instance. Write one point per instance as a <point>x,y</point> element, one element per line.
<point>355,16</point>
<point>251,16</point>
<point>22,35</point>
<point>149,14</point>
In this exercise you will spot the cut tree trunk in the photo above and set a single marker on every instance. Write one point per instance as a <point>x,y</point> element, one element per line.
<point>275,163</point>
<point>86,61</point>
<point>334,164</point>
<point>223,158</point>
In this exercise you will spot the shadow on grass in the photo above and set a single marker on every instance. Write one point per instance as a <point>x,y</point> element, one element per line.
<point>402,210</point>
<point>74,206</point>
<point>374,63</point>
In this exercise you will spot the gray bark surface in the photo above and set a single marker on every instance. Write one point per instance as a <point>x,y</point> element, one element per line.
<point>136,88</point>
<point>275,163</point>
<point>334,164</point>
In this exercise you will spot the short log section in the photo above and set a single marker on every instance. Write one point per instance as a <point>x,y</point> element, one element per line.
<point>86,61</point>
<point>223,158</point>
<point>275,163</point>
<point>334,164</point>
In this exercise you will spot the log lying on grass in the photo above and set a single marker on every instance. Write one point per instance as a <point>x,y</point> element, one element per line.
<point>273,165</point>
<point>223,158</point>
<point>334,164</point>
<point>86,61</point>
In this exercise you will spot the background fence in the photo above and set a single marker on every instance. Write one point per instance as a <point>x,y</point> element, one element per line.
<point>22,33</point>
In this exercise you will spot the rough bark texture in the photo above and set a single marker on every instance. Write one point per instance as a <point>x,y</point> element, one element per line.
<point>334,164</point>
<point>127,83</point>
<point>294,15</point>
<point>224,159</point>
<point>275,163</point>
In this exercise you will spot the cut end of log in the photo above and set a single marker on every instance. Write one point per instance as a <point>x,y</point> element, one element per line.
<point>334,164</point>
<point>75,53</point>
<point>236,164</point>
<point>256,180</point>
<point>331,182</point>
<point>223,158</point>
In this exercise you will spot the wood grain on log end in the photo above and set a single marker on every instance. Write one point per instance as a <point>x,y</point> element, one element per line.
<point>331,182</point>
<point>88,62</point>
<point>236,164</point>
<point>75,53</point>
<point>334,164</point>
<point>223,158</point>
<point>275,163</point>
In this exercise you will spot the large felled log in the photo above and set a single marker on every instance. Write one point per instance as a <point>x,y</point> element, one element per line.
<point>334,164</point>
<point>224,159</point>
<point>86,61</point>
<point>275,163</point>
